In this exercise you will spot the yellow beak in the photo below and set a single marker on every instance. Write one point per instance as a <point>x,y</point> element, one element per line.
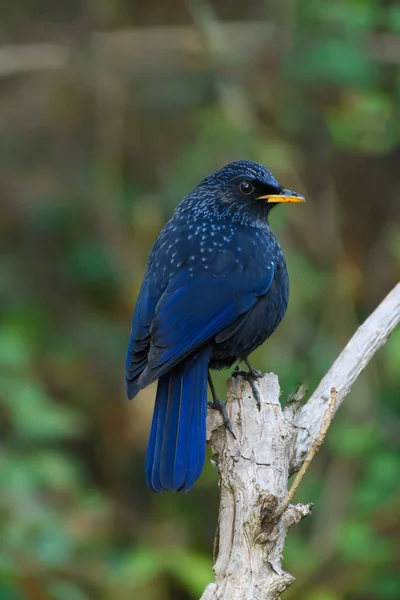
<point>284,196</point>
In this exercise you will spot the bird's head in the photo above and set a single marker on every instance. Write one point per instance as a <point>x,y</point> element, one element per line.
<point>248,187</point>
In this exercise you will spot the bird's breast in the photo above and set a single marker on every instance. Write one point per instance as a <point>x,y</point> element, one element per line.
<point>259,324</point>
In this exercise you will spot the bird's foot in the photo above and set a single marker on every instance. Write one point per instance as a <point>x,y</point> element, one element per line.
<point>216,404</point>
<point>251,376</point>
<point>220,406</point>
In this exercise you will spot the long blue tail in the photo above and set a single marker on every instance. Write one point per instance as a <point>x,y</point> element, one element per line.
<point>177,444</point>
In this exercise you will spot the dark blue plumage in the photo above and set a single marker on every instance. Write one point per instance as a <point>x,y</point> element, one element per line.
<point>215,288</point>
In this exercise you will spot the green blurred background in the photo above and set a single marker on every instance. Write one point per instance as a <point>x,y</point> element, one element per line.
<point>110,112</point>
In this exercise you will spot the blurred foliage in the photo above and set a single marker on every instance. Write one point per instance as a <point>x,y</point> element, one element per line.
<point>94,157</point>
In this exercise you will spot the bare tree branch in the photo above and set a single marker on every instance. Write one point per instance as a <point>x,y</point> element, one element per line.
<point>253,471</point>
<point>254,468</point>
<point>314,449</point>
<point>367,340</point>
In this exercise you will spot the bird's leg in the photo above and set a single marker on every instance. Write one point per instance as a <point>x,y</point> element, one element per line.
<point>216,404</point>
<point>255,373</point>
<point>251,377</point>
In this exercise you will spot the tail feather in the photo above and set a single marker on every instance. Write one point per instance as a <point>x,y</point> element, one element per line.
<point>177,444</point>
<point>176,434</point>
<point>153,455</point>
<point>197,449</point>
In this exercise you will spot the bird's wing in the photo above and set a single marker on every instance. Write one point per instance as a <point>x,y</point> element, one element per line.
<point>188,315</point>
<point>139,340</point>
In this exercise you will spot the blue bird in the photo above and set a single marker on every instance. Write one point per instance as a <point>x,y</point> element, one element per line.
<point>215,288</point>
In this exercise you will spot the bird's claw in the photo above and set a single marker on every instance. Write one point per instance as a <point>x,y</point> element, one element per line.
<point>256,373</point>
<point>216,404</point>
<point>251,376</point>
<point>251,380</point>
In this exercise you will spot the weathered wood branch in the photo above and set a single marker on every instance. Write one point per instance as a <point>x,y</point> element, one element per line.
<point>270,444</point>
<point>367,340</point>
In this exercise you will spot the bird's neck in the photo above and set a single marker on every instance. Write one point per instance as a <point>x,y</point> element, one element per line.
<point>212,211</point>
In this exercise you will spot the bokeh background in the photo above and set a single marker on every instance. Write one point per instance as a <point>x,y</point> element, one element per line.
<point>110,112</point>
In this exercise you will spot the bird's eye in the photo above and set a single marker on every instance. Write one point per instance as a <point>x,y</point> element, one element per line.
<point>246,187</point>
